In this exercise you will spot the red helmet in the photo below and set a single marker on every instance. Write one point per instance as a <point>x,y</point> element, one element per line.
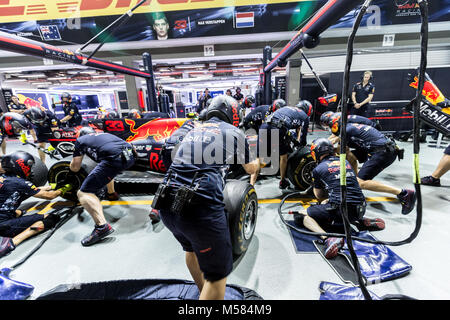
<point>249,101</point>
<point>277,104</point>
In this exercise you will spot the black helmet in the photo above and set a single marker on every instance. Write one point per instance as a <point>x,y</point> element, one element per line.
<point>12,123</point>
<point>208,102</point>
<point>225,108</point>
<point>111,115</point>
<point>325,118</point>
<point>18,163</point>
<point>66,95</point>
<point>135,114</point>
<point>85,130</point>
<point>277,104</point>
<point>335,123</point>
<point>249,101</point>
<point>305,106</point>
<point>202,115</point>
<point>321,147</point>
<point>35,115</point>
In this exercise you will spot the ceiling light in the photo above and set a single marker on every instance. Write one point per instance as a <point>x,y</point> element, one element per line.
<point>32,75</point>
<point>189,66</point>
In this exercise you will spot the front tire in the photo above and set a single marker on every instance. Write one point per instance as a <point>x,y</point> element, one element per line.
<point>241,204</point>
<point>58,172</point>
<point>299,168</point>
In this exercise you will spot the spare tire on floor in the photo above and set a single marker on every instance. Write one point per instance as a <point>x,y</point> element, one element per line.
<point>241,204</point>
<point>299,168</point>
<point>58,172</point>
<point>39,173</point>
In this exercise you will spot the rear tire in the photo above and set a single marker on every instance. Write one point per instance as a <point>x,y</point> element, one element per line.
<point>241,204</point>
<point>299,168</point>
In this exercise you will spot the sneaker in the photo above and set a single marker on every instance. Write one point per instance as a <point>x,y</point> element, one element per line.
<point>284,184</point>
<point>371,224</point>
<point>430,181</point>
<point>154,216</point>
<point>332,246</point>
<point>6,246</point>
<point>112,196</point>
<point>408,200</point>
<point>97,234</point>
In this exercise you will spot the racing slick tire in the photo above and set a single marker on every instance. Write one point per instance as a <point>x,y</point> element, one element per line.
<point>39,173</point>
<point>241,205</point>
<point>58,172</point>
<point>299,168</point>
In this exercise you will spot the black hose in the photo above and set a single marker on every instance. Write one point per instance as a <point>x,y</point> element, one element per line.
<point>343,153</point>
<point>423,63</point>
<point>424,34</point>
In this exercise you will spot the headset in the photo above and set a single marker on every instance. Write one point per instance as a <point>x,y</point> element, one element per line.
<point>371,76</point>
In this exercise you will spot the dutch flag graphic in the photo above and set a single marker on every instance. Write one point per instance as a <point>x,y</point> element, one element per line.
<point>245,19</point>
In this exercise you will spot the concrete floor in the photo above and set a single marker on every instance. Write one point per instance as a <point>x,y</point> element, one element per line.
<point>271,266</point>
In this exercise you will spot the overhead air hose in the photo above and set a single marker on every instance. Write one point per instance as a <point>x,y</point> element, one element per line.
<point>343,144</point>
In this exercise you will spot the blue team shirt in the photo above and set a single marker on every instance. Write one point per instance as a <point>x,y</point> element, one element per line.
<point>225,143</point>
<point>293,118</point>
<point>364,137</point>
<point>100,146</point>
<point>360,119</point>
<point>13,191</point>
<point>257,116</point>
<point>326,176</point>
<point>363,92</point>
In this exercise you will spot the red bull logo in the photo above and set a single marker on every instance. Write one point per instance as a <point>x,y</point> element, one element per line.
<point>26,169</point>
<point>430,91</point>
<point>235,116</point>
<point>32,103</point>
<point>8,126</point>
<point>157,129</point>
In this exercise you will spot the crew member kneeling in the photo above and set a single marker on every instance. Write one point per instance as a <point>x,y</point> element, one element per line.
<point>191,201</point>
<point>326,216</point>
<point>113,156</point>
<point>15,187</point>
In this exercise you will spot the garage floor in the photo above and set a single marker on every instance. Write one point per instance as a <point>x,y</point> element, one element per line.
<point>271,266</point>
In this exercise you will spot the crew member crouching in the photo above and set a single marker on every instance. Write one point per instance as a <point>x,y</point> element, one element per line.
<point>44,123</point>
<point>376,152</point>
<point>326,216</point>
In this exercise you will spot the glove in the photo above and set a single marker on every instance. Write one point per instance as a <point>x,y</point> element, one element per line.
<point>65,189</point>
<point>23,138</point>
<point>69,179</point>
<point>52,185</point>
<point>50,149</point>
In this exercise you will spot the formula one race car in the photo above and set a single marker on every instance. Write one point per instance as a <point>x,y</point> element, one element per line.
<point>148,137</point>
<point>434,107</point>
